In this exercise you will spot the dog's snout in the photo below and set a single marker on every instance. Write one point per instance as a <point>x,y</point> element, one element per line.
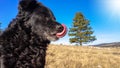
<point>59,28</point>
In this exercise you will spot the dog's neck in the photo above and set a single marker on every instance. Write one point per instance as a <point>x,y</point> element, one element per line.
<point>30,49</point>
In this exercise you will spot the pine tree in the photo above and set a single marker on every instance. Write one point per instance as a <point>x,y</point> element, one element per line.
<point>81,32</point>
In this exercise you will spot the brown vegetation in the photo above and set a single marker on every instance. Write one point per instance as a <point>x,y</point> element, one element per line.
<point>82,57</point>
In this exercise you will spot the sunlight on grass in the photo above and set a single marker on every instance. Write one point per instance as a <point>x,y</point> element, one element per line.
<point>82,57</point>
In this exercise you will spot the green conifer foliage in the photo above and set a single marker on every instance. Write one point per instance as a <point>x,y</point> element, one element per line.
<point>81,32</point>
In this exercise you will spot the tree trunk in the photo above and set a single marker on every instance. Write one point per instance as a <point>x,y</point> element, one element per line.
<point>80,43</point>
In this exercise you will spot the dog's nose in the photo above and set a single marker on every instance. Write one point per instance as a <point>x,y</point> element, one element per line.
<point>63,32</point>
<point>59,28</point>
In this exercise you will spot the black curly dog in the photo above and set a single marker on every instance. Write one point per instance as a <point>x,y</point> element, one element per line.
<point>24,43</point>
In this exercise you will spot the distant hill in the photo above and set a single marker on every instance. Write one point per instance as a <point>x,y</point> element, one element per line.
<point>114,44</point>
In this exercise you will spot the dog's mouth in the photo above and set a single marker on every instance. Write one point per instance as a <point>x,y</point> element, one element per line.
<point>56,35</point>
<point>63,33</point>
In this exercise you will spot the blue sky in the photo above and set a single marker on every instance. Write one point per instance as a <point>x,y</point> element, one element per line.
<point>104,16</point>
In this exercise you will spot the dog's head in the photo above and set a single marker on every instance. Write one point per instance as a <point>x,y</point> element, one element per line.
<point>41,20</point>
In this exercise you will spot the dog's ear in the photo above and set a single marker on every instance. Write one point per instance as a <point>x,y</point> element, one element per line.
<point>27,4</point>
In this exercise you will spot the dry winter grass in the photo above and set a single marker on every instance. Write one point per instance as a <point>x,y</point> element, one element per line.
<point>82,57</point>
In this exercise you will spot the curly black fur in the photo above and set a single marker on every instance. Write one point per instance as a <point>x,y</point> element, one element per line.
<point>24,43</point>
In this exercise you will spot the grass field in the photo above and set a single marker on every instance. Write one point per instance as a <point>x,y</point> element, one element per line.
<point>59,56</point>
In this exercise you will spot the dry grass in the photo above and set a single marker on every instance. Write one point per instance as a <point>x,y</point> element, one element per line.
<point>82,57</point>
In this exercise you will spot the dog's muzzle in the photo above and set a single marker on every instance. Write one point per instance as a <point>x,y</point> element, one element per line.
<point>63,33</point>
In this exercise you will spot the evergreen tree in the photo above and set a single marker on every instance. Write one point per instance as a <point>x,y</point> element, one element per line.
<point>81,32</point>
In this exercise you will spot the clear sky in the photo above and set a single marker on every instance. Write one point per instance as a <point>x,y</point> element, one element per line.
<point>104,16</point>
